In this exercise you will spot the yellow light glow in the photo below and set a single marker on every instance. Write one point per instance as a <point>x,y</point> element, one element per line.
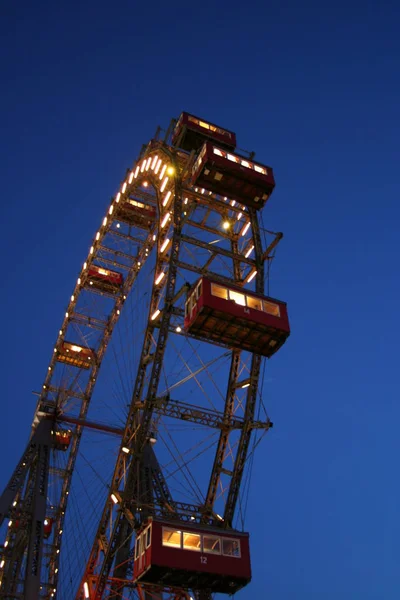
<point>97,236</point>
<point>165,245</point>
<point>226,225</point>
<point>155,315</point>
<point>125,450</point>
<point>170,170</point>
<point>145,184</point>
<point>114,498</point>
<point>164,184</point>
<point>111,210</point>
<point>249,251</point>
<point>86,589</point>
<point>76,348</point>
<point>160,277</point>
<point>165,220</point>
<point>167,197</point>
<point>246,228</point>
<point>123,189</point>
<point>117,197</point>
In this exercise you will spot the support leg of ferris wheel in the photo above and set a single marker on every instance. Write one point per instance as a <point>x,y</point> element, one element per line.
<point>35,460</point>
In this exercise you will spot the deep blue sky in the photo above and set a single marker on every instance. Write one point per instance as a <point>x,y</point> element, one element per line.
<point>313,88</point>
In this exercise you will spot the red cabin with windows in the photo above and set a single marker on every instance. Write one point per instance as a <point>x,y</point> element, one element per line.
<point>191,132</point>
<point>104,279</point>
<point>62,439</point>
<point>231,175</point>
<point>137,213</point>
<point>236,317</point>
<point>192,556</point>
<point>78,356</point>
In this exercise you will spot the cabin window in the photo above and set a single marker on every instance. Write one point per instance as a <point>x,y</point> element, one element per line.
<point>171,537</point>
<point>245,163</point>
<point>219,291</point>
<point>231,547</point>
<point>211,544</point>
<point>218,152</point>
<point>137,546</point>
<point>142,544</point>
<point>232,157</point>
<point>203,124</point>
<point>148,537</point>
<point>271,308</point>
<point>198,291</point>
<point>259,169</point>
<point>254,302</point>
<point>237,297</point>
<point>191,541</point>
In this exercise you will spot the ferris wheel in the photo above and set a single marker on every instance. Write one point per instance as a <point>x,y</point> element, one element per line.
<point>134,481</point>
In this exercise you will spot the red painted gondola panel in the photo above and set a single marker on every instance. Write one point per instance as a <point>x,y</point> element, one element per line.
<point>194,132</point>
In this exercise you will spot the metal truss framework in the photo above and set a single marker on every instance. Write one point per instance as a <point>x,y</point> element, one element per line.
<point>138,481</point>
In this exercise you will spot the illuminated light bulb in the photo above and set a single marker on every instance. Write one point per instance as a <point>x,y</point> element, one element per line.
<point>245,230</point>
<point>58,551</point>
<point>56,571</point>
<point>251,276</point>
<point>245,385</point>
<point>60,332</point>
<point>202,191</point>
<point>9,523</point>
<point>118,225</point>
<point>111,210</point>
<point>145,184</point>
<point>239,216</point>
<point>84,265</point>
<point>55,350</point>
<point>226,225</point>
<point>139,263</point>
<point>72,298</point>
<point>123,189</point>
<point>79,281</point>
<point>167,197</point>
<point>142,168</point>
<point>114,498</point>
<point>98,236</point>
<point>165,220</point>
<point>6,544</point>
<point>154,237</point>
<point>117,197</point>
<point>136,173</point>
<point>164,184</point>
<point>66,315</point>
<point>2,564</point>
<point>91,249</point>
<point>49,368</point>
<point>90,282</point>
<point>60,532</point>
<point>155,315</point>
<point>249,251</point>
<point>233,202</point>
<point>170,170</point>
<point>148,163</point>
<point>163,172</point>
<point>160,277</point>
<point>15,503</point>
<point>46,521</point>
<point>186,201</point>
<point>126,450</point>
<point>130,177</point>
<point>104,221</point>
<point>165,244</point>
<point>178,329</point>
<point>44,387</point>
<point>158,166</point>
<point>118,312</point>
<point>86,589</point>
<point>153,164</point>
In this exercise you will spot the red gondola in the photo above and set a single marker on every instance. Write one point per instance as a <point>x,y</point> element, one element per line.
<point>137,213</point>
<point>47,528</point>
<point>233,176</point>
<point>104,279</point>
<point>236,317</point>
<point>191,132</point>
<point>192,556</point>
<point>62,439</point>
<point>78,356</point>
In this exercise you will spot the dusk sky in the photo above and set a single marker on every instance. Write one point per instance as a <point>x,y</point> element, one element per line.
<point>313,88</point>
